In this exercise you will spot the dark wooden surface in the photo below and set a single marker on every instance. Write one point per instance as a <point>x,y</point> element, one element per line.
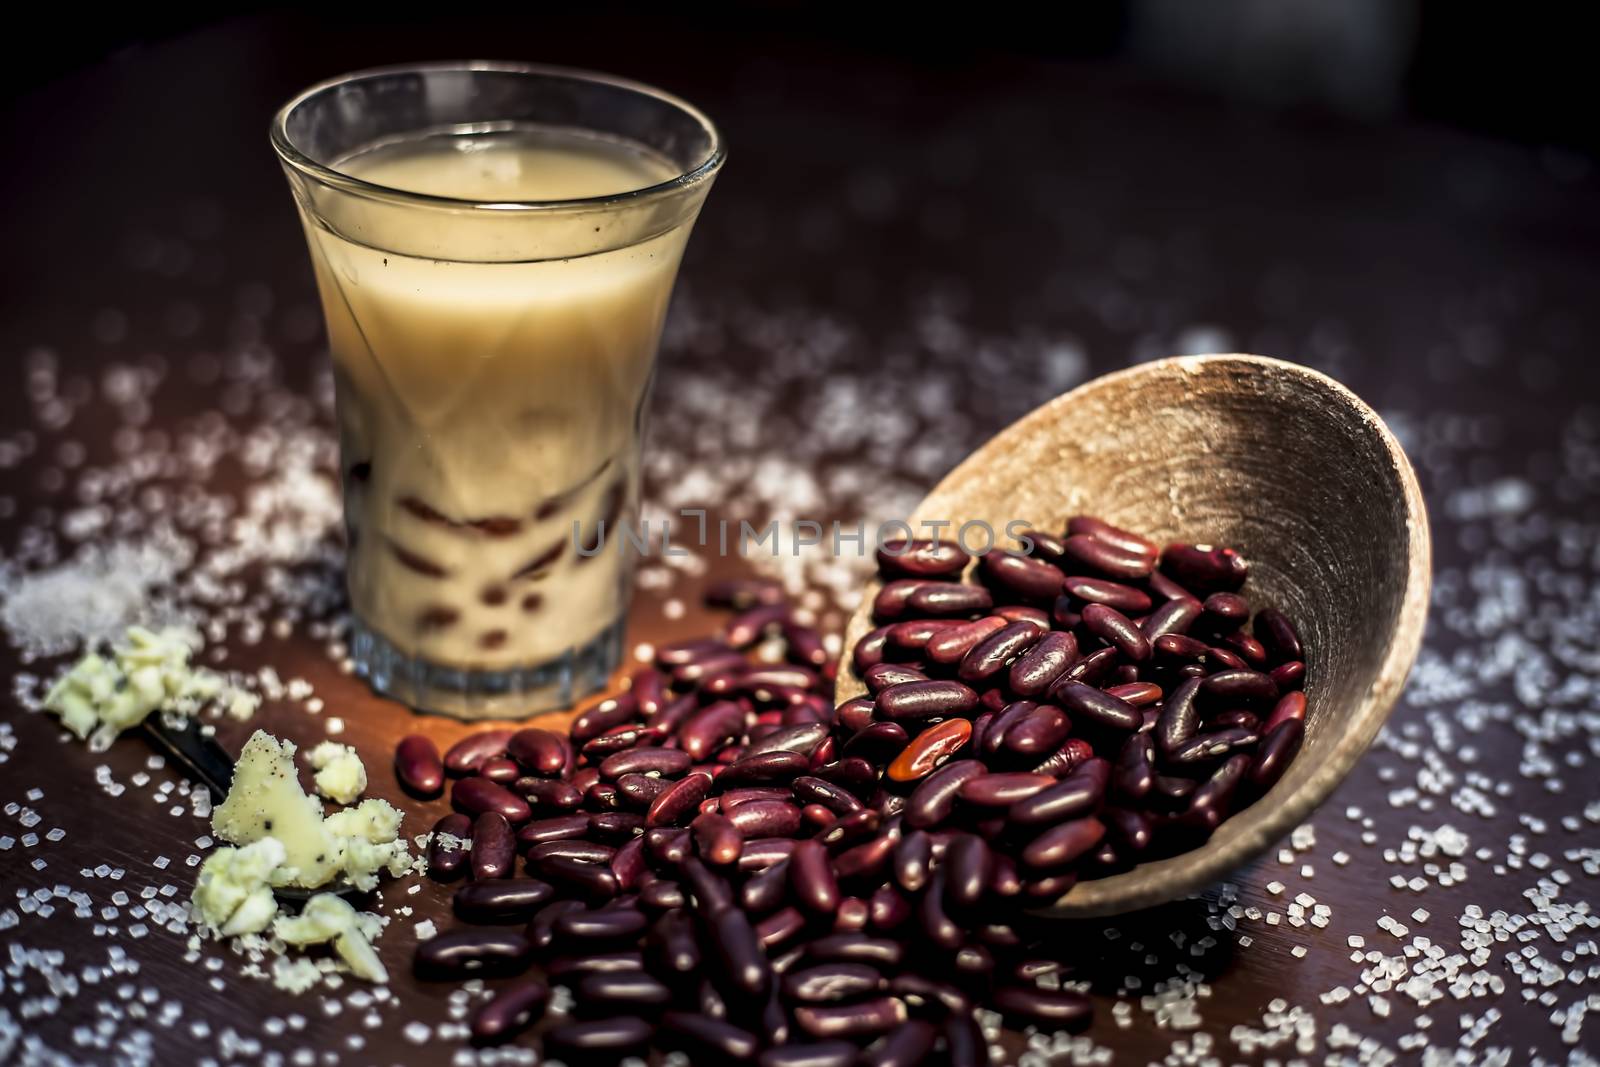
<point>961,241</point>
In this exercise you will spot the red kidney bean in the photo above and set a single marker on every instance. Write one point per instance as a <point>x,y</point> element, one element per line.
<point>855,948</point>
<point>465,755</point>
<point>1278,635</point>
<point>678,653</point>
<point>1238,717</point>
<point>767,890</point>
<point>576,850</point>
<point>1050,888</point>
<point>949,598</point>
<point>968,865</point>
<point>867,1018</point>
<point>1003,790</point>
<point>1126,540</point>
<point>748,627</point>
<point>1078,794</point>
<point>593,879</point>
<point>952,644</point>
<point>913,635</point>
<point>1022,576</point>
<point>866,861</point>
<point>802,739</point>
<point>494,848</point>
<point>603,796</point>
<point>893,599</point>
<point>856,715</point>
<point>1278,749</point>
<point>1289,706</point>
<point>732,798</point>
<point>616,825</point>
<point>995,653</point>
<point>887,909</point>
<point>812,880</point>
<point>667,762</point>
<point>628,735</point>
<point>869,648</point>
<point>1225,612</point>
<point>418,766</point>
<point>500,770</point>
<point>922,559</point>
<point>830,983</point>
<point>849,772</point>
<point>1130,829</point>
<point>711,728</point>
<point>599,1040</point>
<point>679,799</point>
<point>542,752</point>
<point>1173,788</point>
<point>1211,802</point>
<point>924,700</point>
<point>804,645</point>
<point>501,900</point>
<point>1116,630</point>
<point>913,855</point>
<point>1038,617</point>
<point>1203,568</point>
<point>1179,648</point>
<point>909,1043</point>
<point>1037,669</point>
<point>739,953</point>
<point>920,991</point>
<point>672,944</point>
<point>941,930</point>
<point>1103,559</point>
<point>929,749</point>
<point>878,742</point>
<point>630,865</point>
<point>1063,843</point>
<point>1124,598</point>
<point>1253,652</point>
<point>606,715</point>
<point>590,962</point>
<point>1046,546</point>
<point>717,840</point>
<point>649,689</point>
<point>608,925</point>
<point>1251,688</point>
<point>994,731</point>
<point>1071,755</point>
<point>557,828</point>
<point>472,953</point>
<point>1173,617</point>
<point>446,861</point>
<point>1040,731</point>
<point>934,799</point>
<point>766,818</point>
<point>810,1054</point>
<point>850,830</point>
<point>1054,1010</point>
<point>883,675</point>
<point>711,1039</point>
<point>1139,694</point>
<point>634,991</point>
<point>764,767</point>
<point>478,795</point>
<point>964,1043</point>
<point>1135,770</point>
<point>701,673</point>
<point>1289,675</point>
<point>1085,702</point>
<point>773,679</point>
<point>812,790</point>
<point>512,1010</point>
<point>1064,613</point>
<point>1090,668</point>
<point>742,594</point>
<point>1179,718</point>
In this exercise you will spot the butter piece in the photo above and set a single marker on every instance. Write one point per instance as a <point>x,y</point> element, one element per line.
<point>266,800</point>
<point>97,698</point>
<point>232,894</point>
<point>340,774</point>
<point>327,917</point>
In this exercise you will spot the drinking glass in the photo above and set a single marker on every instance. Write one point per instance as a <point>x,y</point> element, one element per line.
<point>493,357</point>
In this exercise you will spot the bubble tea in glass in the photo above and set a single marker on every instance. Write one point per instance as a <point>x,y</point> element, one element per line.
<point>495,249</point>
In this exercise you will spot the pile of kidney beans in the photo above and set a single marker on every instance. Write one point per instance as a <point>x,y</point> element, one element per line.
<point>719,860</point>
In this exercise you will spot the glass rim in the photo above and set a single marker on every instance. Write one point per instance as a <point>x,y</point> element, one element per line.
<point>292,156</point>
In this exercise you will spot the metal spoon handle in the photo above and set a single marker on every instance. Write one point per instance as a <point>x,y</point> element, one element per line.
<point>203,760</point>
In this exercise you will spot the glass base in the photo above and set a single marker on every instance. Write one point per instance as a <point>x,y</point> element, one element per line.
<point>472,694</point>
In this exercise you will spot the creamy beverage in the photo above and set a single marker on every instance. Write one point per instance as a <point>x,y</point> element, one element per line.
<point>486,405</point>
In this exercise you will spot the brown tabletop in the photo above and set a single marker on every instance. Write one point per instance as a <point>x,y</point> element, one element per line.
<point>898,260</point>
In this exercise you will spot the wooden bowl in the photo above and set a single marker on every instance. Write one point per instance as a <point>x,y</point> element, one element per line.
<point>1271,458</point>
